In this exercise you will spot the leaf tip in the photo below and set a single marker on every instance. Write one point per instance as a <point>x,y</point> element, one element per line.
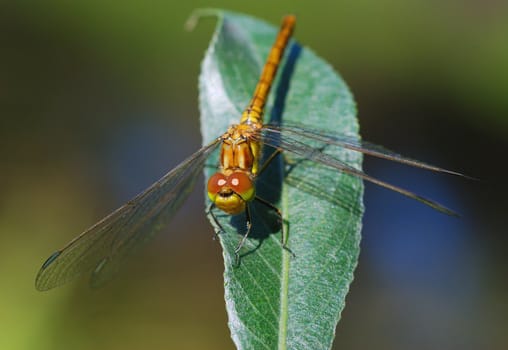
<point>197,14</point>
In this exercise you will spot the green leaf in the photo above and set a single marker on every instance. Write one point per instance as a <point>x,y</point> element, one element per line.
<point>276,300</point>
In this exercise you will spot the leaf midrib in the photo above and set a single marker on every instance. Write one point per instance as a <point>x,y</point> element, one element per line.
<point>284,298</point>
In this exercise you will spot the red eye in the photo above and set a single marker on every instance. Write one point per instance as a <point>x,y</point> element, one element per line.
<point>241,183</point>
<point>216,182</point>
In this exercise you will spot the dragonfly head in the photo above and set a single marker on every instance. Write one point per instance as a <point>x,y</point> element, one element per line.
<point>230,193</point>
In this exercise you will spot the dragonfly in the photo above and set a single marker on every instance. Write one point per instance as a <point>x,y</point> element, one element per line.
<point>101,249</point>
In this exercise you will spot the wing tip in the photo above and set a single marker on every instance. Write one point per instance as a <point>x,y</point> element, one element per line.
<point>41,284</point>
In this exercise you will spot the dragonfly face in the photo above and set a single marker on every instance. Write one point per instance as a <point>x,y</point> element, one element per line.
<point>230,193</point>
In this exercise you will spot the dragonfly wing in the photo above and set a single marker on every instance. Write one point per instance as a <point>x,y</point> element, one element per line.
<point>102,248</point>
<point>352,143</point>
<point>284,142</point>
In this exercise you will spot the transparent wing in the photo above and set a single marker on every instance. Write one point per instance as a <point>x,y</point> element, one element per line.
<point>278,138</point>
<point>102,248</point>
<point>354,144</point>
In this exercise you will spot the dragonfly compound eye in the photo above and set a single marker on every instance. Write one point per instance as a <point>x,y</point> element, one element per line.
<point>241,184</point>
<point>216,182</point>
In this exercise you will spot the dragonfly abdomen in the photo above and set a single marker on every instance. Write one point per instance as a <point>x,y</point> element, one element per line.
<point>254,112</point>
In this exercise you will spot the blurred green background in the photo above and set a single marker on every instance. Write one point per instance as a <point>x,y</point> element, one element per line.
<point>98,100</point>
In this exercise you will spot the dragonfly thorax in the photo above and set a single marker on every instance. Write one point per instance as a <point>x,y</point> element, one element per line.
<point>239,149</point>
<point>231,190</point>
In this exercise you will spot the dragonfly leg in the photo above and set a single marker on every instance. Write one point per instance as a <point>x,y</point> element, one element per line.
<point>274,154</point>
<point>244,238</point>
<point>284,237</point>
<point>217,226</point>
<point>269,160</point>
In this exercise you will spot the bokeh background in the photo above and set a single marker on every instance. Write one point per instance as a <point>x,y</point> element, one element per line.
<point>99,99</point>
